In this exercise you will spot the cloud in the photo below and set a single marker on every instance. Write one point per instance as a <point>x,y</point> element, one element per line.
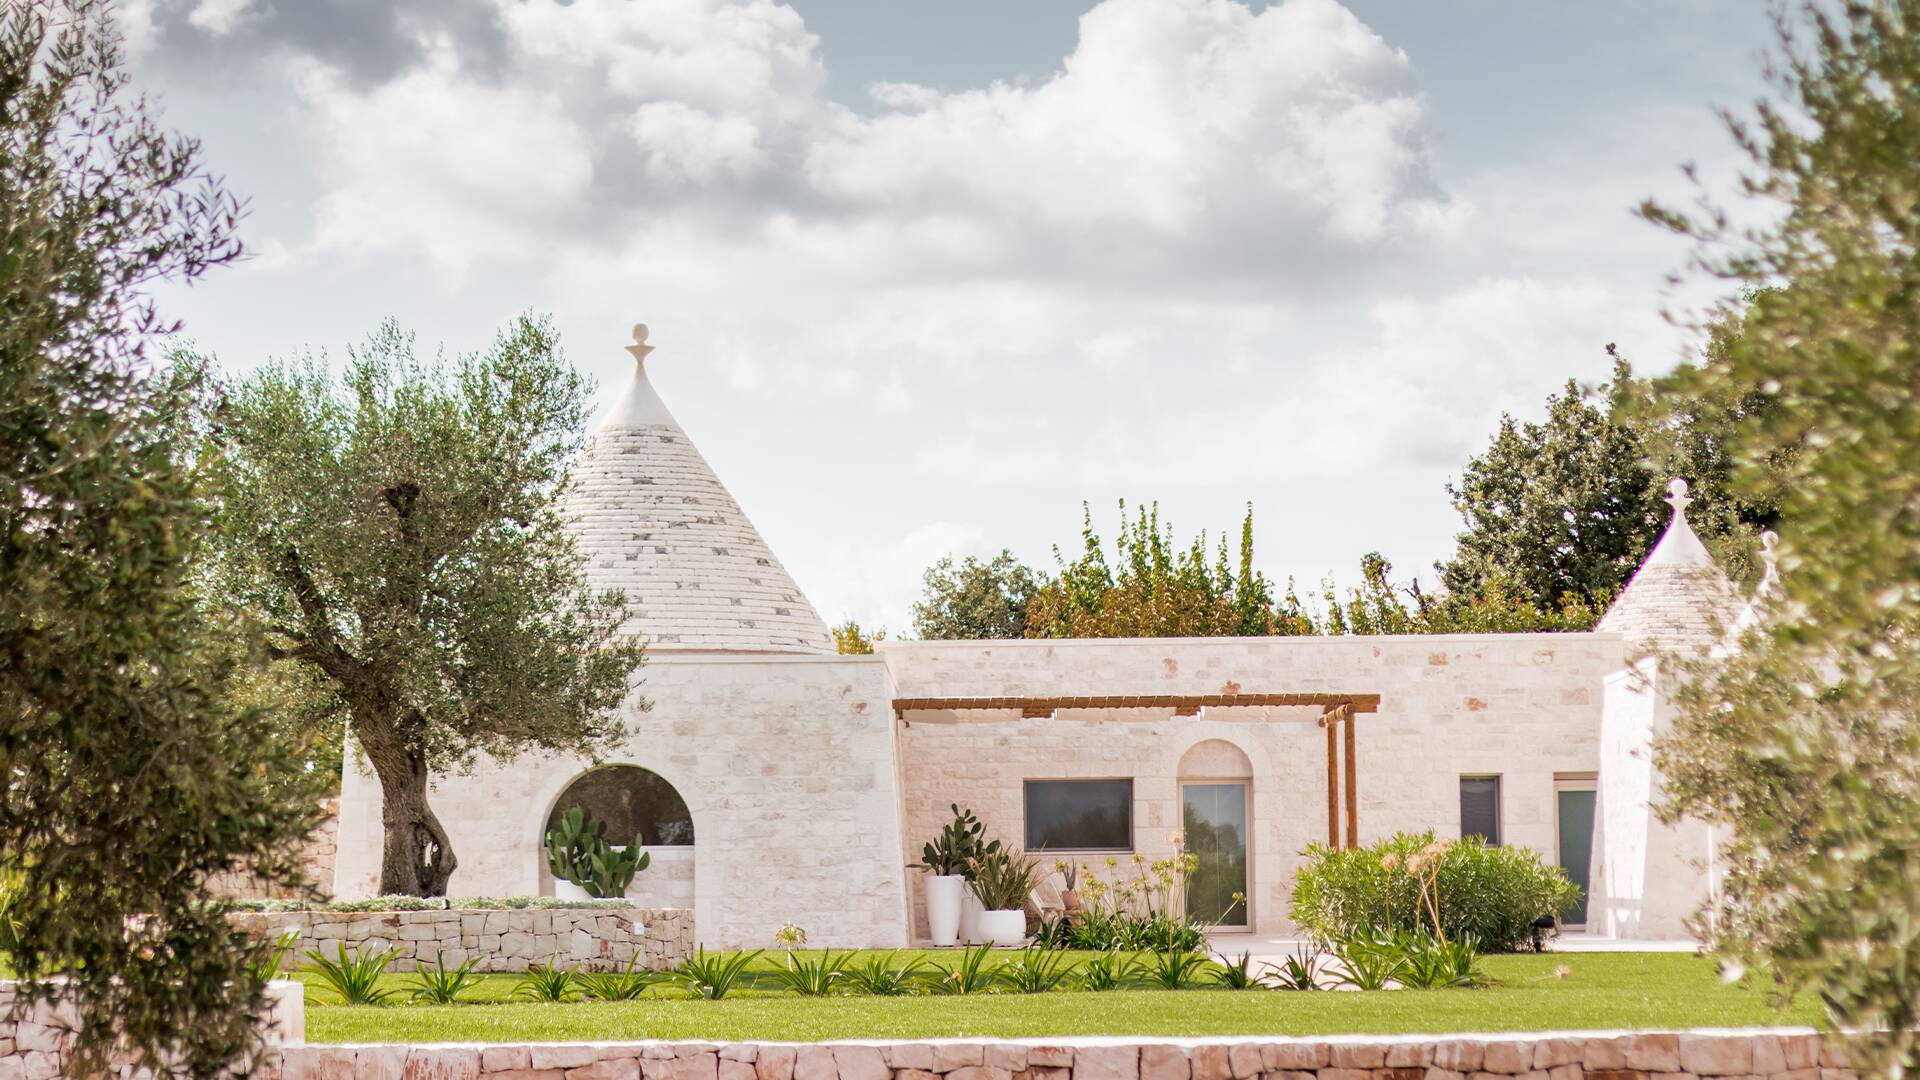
<point>1183,144</point>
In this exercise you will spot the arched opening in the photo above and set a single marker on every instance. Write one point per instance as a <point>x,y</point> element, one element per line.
<point>637,806</point>
<point>1216,815</point>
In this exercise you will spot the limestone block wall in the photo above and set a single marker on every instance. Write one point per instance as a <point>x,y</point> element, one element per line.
<point>591,938</point>
<point>36,1042</point>
<point>1775,1055</point>
<point>786,764</point>
<point>1524,707</point>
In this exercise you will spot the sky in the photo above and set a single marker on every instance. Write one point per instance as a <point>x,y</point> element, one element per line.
<point>924,278</point>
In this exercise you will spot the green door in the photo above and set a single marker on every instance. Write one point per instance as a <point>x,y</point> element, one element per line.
<point>1576,846</point>
<point>1214,817</point>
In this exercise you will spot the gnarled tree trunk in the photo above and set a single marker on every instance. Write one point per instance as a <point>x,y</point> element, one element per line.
<point>417,859</point>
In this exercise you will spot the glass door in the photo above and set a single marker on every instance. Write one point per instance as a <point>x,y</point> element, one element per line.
<point>1574,817</point>
<point>1214,818</point>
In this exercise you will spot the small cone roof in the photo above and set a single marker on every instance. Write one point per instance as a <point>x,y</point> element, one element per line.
<point>654,521</point>
<point>1679,599</point>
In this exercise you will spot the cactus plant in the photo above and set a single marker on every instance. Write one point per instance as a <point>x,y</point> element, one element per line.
<point>578,852</point>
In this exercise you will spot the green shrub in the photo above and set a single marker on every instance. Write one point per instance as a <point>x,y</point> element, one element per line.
<point>711,975</point>
<point>548,982</point>
<point>440,984</point>
<point>1492,894</point>
<point>354,977</point>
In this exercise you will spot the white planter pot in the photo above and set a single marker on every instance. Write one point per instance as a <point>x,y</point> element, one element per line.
<point>944,894</point>
<point>1003,928</point>
<point>567,890</point>
<point>970,910</point>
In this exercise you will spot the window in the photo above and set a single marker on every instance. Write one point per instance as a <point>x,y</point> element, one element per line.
<point>1480,808</point>
<point>1080,815</point>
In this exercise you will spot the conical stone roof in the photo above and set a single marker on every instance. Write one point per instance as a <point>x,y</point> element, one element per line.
<point>654,521</point>
<point>1679,599</point>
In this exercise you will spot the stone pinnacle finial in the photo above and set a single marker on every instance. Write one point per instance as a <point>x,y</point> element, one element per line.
<point>639,348</point>
<point>1677,497</point>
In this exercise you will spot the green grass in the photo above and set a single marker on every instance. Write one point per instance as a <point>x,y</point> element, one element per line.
<point>1533,993</point>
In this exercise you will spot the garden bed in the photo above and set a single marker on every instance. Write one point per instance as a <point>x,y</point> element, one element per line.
<point>1551,992</point>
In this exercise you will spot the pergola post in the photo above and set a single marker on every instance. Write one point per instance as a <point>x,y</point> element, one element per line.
<point>1333,780</point>
<point>1353,785</point>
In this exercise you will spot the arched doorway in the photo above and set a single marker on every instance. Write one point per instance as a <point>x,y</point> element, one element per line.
<point>638,806</point>
<point>1216,814</point>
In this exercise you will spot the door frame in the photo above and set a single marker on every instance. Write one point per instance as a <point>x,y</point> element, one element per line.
<point>1576,782</point>
<point>1246,842</point>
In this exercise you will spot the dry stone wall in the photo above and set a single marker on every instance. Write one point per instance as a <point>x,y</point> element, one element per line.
<point>503,940</point>
<point>36,1041</point>
<point>1773,1055</point>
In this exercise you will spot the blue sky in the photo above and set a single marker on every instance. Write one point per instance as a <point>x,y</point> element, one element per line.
<point>925,277</point>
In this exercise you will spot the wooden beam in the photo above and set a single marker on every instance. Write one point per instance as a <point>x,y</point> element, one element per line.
<point>1353,786</point>
<point>1042,705</point>
<point>1333,781</point>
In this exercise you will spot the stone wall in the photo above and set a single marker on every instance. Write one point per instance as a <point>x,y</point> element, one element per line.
<point>1524,707</point>
<point>36,1042</point>
<point>1791,1055</point>
<point>317,857</point>
<point>595,938</point>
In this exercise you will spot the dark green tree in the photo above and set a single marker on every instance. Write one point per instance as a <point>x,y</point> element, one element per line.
<point>398,534</point>
<point>1804,743</point>
<point>1563,511</point>
<point>975,600</point>
<point>130,773</point>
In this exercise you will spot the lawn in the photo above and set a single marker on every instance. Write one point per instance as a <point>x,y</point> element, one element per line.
<point>1532,993</point>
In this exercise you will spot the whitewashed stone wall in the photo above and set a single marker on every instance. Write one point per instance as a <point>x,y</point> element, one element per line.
<point>36,1042</point>
<point>510,940</point>
<point>788,768</point>
<point>1524,707</point>
<point>1751,1055</point>
<point>1649,876</point>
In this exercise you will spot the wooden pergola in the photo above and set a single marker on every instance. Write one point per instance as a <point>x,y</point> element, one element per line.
<point>1337,712</point>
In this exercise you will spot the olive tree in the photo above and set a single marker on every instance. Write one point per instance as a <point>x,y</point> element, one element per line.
<point>397,533</point>
<point>128,771</point>
<point>1806,739</point>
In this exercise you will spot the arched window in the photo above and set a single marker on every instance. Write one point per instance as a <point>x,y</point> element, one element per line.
<point>636,804</point>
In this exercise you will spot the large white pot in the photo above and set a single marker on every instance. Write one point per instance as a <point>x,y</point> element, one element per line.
<point>970,910</point>
<point>567,890</point>
<point>1003,928</point>
<point>944,892</point>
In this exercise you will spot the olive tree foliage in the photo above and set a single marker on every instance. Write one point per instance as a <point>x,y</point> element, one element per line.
<point>1805,741</point>
<point>129,773</point>
<point>397,533</point>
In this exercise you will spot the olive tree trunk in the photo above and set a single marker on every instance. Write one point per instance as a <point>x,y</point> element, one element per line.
<point>416,858</point>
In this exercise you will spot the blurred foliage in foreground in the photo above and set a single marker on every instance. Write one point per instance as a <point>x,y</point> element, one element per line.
<point>1805,740</point>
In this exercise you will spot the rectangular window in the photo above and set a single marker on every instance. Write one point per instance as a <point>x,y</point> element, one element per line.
<point>1480,808</point>
<point>1080,815</point>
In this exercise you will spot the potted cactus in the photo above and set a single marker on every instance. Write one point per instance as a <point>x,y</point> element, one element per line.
<point>947,859</point>
<point>584,865</point>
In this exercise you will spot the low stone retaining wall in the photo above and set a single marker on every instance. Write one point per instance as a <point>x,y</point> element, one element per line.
<point>504,940</point>
<point>1779,1055</point>
<point>35,1042</point>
